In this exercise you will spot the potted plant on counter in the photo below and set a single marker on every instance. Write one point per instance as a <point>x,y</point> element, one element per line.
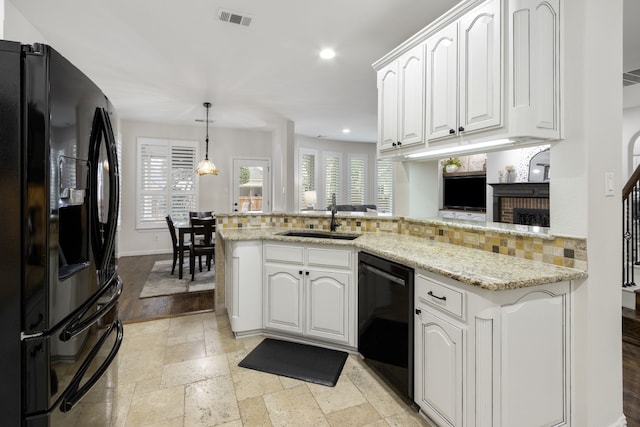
<point>451,165</point>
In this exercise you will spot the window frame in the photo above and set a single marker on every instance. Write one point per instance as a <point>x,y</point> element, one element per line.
<point>168,192</point>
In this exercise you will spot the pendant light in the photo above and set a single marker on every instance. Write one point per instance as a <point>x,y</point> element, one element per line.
<point>206,167</point>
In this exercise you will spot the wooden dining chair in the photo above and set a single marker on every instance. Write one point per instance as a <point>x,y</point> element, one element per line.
<point>204,214</point>
<point>205,246</point>
<point>174,240</point>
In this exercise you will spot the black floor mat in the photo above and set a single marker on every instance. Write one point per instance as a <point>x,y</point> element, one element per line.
<point>304,362</point>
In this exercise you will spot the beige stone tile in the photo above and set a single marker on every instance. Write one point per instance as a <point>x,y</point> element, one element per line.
<point>220,343</point>
<point>234,358</point>
<point>379,423</point>
<point>291,382</point>
<point>172,422</point>
<point>185,329</point>
<point>294,407</point>
<point>148,385</point>
<point>343,395</point>
<point>250,383</point>
<point>156,406</point>
<point>210,402</point>
<point>143,345</point>
<point>254,412</point>
<point>194,370</point>
<point>184,351</point>
<point>360,415</point>
<point>135,369</point>
<point>376,393</point>
<point>407,418</point>
<point>146,328</point>
<point>124,396</point>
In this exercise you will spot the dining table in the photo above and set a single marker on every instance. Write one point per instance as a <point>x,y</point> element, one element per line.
<point>184,227</point>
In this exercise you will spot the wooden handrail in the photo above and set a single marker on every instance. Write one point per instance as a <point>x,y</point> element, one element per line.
<point>633,180</point>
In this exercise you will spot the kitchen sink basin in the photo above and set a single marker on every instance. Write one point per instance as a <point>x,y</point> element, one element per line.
<point>320,235</point>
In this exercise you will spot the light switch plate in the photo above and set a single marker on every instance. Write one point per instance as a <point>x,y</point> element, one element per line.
<point>608,184</point>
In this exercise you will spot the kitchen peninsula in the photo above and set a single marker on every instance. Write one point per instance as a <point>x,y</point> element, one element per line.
<point>485,296</point>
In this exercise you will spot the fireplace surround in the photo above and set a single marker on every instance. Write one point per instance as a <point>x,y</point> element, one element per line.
<point>521,203</point>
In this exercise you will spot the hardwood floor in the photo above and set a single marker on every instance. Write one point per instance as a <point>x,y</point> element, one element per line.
<point>134,272</point>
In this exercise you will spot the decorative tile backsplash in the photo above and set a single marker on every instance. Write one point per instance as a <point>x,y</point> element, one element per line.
<point>557,250</point>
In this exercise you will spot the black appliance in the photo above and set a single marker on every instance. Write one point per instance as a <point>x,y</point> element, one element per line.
<point>465,192</point>
<point>385,320</point>
<point>59,329</point>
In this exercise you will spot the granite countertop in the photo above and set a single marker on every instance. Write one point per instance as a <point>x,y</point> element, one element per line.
<point>474,267</point>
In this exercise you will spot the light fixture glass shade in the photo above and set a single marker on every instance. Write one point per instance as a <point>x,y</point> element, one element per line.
<point>206,167</point>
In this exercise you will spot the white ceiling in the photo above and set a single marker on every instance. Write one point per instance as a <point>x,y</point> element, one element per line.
<point>158,61</point>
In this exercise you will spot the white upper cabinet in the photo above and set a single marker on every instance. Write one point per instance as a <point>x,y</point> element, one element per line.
<point>401,101</point>
<point>480,68</point>
<point>388,106</point>
<point>442,82</point>
<point>489,70</point>
<point>464,80</point>
<point>534,40</point>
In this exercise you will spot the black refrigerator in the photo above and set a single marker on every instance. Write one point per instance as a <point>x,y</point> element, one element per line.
<point>59,287</point>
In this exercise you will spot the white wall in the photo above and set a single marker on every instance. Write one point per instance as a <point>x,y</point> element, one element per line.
<point>214,191</point>
<point>344,148</point>
<point>17,28</point>
<point>592,37</point>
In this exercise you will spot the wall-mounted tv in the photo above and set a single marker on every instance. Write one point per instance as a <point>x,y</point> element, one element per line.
<point>467,193</point>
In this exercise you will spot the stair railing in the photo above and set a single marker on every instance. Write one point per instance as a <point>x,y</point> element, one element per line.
<point>630,227</point>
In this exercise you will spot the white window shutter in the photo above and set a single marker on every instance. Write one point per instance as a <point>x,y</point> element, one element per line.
<point>384,193</point>
<point>357,179</point>
<point>166,181</point>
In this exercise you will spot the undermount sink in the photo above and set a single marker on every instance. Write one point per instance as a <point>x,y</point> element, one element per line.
<point>320,235</point>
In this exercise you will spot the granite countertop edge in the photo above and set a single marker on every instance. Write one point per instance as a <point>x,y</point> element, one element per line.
<point>475,267</point>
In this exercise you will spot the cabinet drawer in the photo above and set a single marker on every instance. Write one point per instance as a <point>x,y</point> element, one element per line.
<point>444,297</point>
<point>282,253</point>
<point>329,257</point>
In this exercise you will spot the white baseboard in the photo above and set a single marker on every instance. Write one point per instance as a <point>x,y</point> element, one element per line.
<point>621,422</point>
<point>629,297</point>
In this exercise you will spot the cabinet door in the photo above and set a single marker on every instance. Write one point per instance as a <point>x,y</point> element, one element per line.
<point>442,82</point>
<point>283,298</point>
<point>388,106</point>
<point>534,43</point>
<point>327,305</point>
<point>411,97</point>
<point>480,70</point>
<point>439,376</point>
<point>243,277</point>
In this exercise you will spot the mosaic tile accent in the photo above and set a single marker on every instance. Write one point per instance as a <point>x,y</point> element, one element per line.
<point>556,250</point>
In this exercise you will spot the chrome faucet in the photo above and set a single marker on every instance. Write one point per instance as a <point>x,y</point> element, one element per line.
<point>334,223</point>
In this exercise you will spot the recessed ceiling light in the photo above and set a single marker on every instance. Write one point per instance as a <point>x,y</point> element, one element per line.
<point>327,53</point>
<point>346,130</point>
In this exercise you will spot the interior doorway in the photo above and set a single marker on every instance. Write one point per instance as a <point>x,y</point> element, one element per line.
<point>251,185</point>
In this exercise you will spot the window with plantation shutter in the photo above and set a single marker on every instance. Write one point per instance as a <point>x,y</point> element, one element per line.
<point>166,181</point>
<point>357,179</point>
<point>332,177</point>
<point>384,193</point>
<point>308,175</point>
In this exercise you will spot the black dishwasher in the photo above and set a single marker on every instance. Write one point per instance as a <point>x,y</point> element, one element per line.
<point>385,320</point>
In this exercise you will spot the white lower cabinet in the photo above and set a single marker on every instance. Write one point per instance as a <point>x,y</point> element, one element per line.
<point>492,358</point>
<point>439,379</point>
<point>310,291</point>
<point>243,285</point>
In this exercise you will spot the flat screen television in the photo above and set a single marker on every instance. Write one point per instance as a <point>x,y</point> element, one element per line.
<point>467,193</point>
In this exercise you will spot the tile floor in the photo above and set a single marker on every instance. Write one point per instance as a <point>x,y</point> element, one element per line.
<point>182,371</point>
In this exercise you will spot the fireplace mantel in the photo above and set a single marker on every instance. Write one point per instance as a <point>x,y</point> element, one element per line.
<point>508,196</point>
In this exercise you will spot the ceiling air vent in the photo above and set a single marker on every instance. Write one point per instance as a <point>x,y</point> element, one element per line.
<point>631,77</point>
<point>232,17</point>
